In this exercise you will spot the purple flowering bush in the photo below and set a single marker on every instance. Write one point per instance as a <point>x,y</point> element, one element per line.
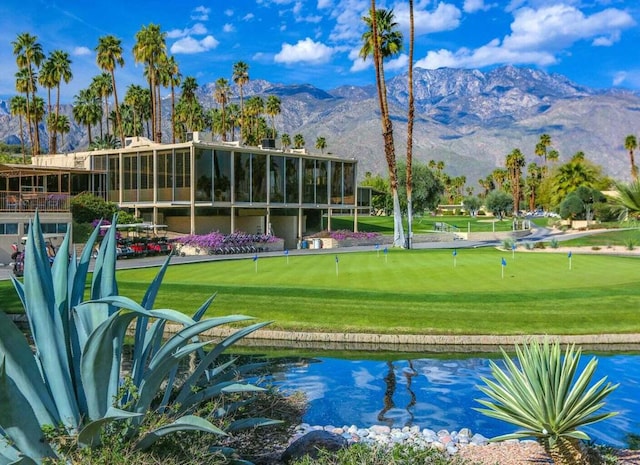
<point>216,240</point>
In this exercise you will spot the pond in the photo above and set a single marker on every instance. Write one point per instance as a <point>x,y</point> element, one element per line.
<point>439,392</point>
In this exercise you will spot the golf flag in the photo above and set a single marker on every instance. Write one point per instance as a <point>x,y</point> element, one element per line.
<point>337,260</point>
<point>377,247</point>
<point>504,263</point>
<point>386,251</point>
<point>255,260</point>
<point>569,255</point>
<point>286,254</point>
<point>455,254</point>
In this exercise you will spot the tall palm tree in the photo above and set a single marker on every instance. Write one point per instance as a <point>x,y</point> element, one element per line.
<point>171,77</point>
<point>321,144</point>
<point>285,141</point>
<point>47,79</point>
<point>221,96</point>
<point>87,109</point>
<point>253,111</point>
<point>532,183</point>
<point>514,164</point>
<point>189,112</point>
<point>18,107</point>
<point>233,111</point>
<point>28,53</point>
<point>272,109</point>
<point>149,47</point>
<point>63,126</point>
<point>136,98</point>
<point>102,85</point>
<point>240,78</point>
<point>61,64</point>
<point>542,148</point>
<point>410,117</point>
<point>108,56</point>
<point>382,40</point>
<point>630,143</point>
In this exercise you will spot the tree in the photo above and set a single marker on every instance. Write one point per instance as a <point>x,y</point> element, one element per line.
<point>381,200</point>
<point>272,109</point>
<point>63,126</point>
<point>18,107</point>
<point>410,117</point>
<point>514,163</point>
<point>221,96</point>
<point>627,201</point>
<point>472,204</point>
<point>542,147</point>
<point>170,72</point>
<point>499,203</point>
<point>382,40</point>
<point>427,188</point>
<point>102,85</point>
<point>149,47</point>
<point>573,174</point>
<point>108,56</point>
<point>240,78</point>
<point>28,53</point>
<point>321,144</point>
<point>47,80</point>
<point>285,140</point>
<point>61,69</point>
<point>630,143</point>
<point>87,109</point>
<point>298,141</point>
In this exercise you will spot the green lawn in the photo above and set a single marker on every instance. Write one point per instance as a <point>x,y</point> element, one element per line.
<point>605,239</point>
<point>413,292</point>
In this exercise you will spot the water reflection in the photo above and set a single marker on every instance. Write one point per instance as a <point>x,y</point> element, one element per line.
<point>441,393</point>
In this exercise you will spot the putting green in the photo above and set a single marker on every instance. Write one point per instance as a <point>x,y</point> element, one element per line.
<point>413,292</point>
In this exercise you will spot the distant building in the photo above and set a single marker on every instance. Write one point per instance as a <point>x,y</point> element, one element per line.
<point>193,187</point>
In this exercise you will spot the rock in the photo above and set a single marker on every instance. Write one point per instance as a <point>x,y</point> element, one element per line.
<point>311,443</point>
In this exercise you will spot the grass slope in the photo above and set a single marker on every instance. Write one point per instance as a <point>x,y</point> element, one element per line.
<point>412,292</point>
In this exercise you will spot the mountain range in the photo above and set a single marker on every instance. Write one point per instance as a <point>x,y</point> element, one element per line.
<point>467,118</point>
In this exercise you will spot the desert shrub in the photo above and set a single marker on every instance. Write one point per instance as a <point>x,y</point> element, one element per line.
<point>539,245</point>
<point>553,243</point>
<point>630,244</point>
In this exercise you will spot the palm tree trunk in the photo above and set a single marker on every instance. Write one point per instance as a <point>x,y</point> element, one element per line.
<point>410,116</point>
<point>24,153</point>
<point>566,451</point>
<point>173,114</point>
<point>634,168</point>
<point>115,102</point>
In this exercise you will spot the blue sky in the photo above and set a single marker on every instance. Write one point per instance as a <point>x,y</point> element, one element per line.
<point>593,42</point>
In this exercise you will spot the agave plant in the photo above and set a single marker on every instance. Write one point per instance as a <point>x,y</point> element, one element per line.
<point>73,379</point>
<point>547,397</point>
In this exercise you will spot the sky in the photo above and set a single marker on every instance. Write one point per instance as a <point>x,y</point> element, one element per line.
<point>592,42</point>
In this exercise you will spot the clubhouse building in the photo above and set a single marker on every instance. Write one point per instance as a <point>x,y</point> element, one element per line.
<point>192,187</point>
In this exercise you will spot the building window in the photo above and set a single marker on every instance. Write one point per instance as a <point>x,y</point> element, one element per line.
<point>49,228</point>
<point>8,229</point>
<point>309,193</point>
<point>182,173</point>
<point>165,176</point>
<point>336,183</point>
<point>222,176</point>
<point>146,177</point>
<point>203,176</point>
<point>276,179</point>
<point>292,167</point>
<point>114,179</point>
<point>258,178</point>
<point>130,171</point>
<point>242,174</point>
<point>321,181</point>
<point>349,183</point>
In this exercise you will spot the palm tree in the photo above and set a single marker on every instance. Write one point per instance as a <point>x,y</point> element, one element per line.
<point>514,163</point>
<point>63,126</point>
<point>136,98</point>
<point>108,56</point>
<point>410,116</point>
<point>272,109</point>
<point>47,79</point>
<point>321,144</point>
<point>170,72</point>
<point>285,141</point>
<point>630,143</point>
<point>61,64</point>
<point>149,47</point>
<point>253,112</point>
<point>87,109</point>
<point>233,111</point>
<point>28,53</point>
<point>189,112</point>
<point>102,85</point>
<point>542,148</point>
<point>240,78</point>
<point>382,39</point>
<point>18,107</point>
<point>573,174</point>
<point>627,202</point>
<point>221,96</point>
<point>532,183</point>
<point>298,141</point>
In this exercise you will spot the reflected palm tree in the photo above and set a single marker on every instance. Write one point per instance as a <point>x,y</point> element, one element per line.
<point>391,384</point>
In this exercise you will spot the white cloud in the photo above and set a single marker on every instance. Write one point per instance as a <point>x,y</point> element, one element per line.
<point>471,6</point>
<point>348,15</point>
<point>248,17</point>
<point>306,51</point>
<point>537,36</point>
<point>228,12</point>
<point>197,29</point>
<point>322,4</point>
<point>619,78</point>
<point>228,27</point>
<point>445,17</point>
<point>189,45</point>
<point>629,79</point>
<point>81,51</point>
<point>200,13</point>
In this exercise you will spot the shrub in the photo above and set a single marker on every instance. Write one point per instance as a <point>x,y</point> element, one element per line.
<point>553,243</point>
<point>508,244</point>
<point>540,245</point>
<point>630,244</point>
<point>547,398</point>
<point>70,384</point>
<point>529,245</point>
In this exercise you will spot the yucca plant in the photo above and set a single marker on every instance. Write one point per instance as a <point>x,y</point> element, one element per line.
<point>73,381</point>
<point>546,396</point>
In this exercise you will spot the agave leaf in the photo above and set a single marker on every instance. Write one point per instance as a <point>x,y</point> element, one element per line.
<point>90,434</point>
<point>185,393</point>
<point>150,345</point>
<point>21,367</point>
<point>104,282</point>
<point>217,389</point>
<point>18,420</point>
<point>19,287</point>
<point>82,269</point>
<point>186,423</point>
<point>197,316</point>
<point>100,363</point>
<point>47,328</point>
<point>247,423</point>
<point>149,298</point>
<point>88,316</point>
<point>208,360</point>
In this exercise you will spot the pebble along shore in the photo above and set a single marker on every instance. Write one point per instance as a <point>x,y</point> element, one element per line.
<point>383,435</point>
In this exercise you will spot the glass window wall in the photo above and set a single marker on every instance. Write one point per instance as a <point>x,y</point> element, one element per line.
<point>222,176</point>
<point>203,175</point>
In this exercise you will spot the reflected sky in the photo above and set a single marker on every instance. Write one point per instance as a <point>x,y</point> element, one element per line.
<point>440,394</point>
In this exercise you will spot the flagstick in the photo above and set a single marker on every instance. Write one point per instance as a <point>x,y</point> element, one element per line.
<point>256,262</point>
<point>570,263</point>
<point>502,270</point>
<point>454,261</point>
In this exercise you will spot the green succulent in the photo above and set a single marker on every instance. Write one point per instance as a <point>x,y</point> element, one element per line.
<point>72,377</point>
<point>547,397</point>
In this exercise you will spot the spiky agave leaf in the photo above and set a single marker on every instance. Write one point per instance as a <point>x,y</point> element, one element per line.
<point>186,423</point>
<point>90,434</point>
<point>542,395</point>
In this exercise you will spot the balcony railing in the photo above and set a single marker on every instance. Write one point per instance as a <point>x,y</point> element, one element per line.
<point>32,201</point>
